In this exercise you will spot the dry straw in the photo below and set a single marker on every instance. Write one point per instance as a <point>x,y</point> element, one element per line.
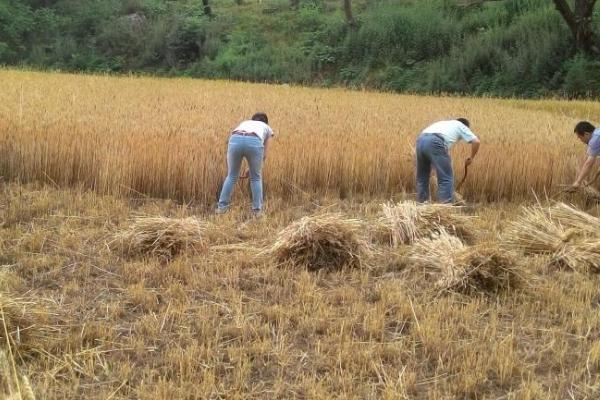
<point>327,241</point>
<point>162,237</point>
<point>11,388</point>
<point>29,324</point>
<point>10,385</point>
<point>464,269</point>
<point>586,194</point>
<point>407,221</point>
<point>591,194</point>
<point>569,236</point>
<point>27,389</point>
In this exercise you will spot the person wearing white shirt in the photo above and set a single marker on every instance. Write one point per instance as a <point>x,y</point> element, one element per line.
<point>250,141</point>
<point>433,146</point>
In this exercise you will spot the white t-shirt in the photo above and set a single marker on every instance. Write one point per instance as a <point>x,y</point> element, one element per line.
<point>452,131</point>
<point>263,130</point>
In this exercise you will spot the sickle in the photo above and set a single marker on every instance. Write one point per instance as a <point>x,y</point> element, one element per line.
<point>464,178</point>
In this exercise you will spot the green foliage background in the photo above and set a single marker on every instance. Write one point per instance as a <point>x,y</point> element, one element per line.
<point>502,48</point>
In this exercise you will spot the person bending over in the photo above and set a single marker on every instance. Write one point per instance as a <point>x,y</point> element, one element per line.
<point>250,141</point>
<point>433,149</point>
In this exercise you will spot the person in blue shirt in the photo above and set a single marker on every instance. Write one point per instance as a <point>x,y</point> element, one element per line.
<point>433,146</point>
<point>590,135</point>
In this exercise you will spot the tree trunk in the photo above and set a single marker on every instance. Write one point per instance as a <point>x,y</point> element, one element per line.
<point>348,12</point>
<point>579,21</point>
<point>206,7</point>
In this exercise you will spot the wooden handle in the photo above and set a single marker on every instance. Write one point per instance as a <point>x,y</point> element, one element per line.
<point>464,178</point>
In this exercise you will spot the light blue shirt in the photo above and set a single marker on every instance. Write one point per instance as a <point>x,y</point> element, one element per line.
<point>594,144</point>
<point>452,131</point>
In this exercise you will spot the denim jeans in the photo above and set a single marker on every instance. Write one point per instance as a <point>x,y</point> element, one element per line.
<point>431,150</point>
<point>252,149</point>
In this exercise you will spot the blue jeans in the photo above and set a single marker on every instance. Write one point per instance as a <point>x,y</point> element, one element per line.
<point>431,150</point>
<point>252,149</point>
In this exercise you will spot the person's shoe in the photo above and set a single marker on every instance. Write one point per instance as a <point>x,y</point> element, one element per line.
<point>221,211</point>
<point>257,214</point>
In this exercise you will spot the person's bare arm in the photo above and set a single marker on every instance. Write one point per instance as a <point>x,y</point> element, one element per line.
<point>266,148</point>
<point>475,143</point>
<point>584,171</point>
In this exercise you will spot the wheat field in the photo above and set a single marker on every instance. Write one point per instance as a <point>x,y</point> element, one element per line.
<point>168,138</point>
<point>219,313</point>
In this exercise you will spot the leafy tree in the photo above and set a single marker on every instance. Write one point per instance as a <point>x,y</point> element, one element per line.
<point>580,19</point>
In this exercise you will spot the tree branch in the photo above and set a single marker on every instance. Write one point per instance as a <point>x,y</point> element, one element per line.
<point>566,12</point>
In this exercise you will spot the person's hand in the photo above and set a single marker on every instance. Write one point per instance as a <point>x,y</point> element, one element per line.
<point>245,174</point>
<point>573,188</point>
<point>468,161</point>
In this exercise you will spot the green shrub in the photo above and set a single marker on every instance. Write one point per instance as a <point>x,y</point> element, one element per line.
<point>582,77</point>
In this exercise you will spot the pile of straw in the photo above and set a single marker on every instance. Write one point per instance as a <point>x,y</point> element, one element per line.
<point>584,196</point>
<point>591,194</point>
<point>408,221</point>
<point>569,236</point>
<point>327,241</point>
<point>162,237</point>
<point>464,269</point>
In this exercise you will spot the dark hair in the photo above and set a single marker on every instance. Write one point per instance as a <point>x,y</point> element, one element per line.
<point>584,127</point>
<point>464,121</point>
<point>260,116</point>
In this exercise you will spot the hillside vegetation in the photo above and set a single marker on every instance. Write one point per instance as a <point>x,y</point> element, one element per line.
<point>506,48</point>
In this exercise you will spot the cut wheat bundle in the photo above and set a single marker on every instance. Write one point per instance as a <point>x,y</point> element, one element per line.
<point>571,217</point>
<point>569,236</point>
<point>327,241</point>
<point>583,256</point>
<point>405,222</point>
<point>162,237</point>
<point>465,269</point>
<point>591,194</point>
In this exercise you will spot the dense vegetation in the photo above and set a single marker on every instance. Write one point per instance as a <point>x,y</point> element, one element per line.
<point>505,48</point>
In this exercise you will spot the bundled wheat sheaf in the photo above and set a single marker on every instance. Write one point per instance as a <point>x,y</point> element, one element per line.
<point>586,195</point>
<point>466,269</point>
<point>570,236</point>
<point>162,237</point>
<point>408,221</point>
<point>322,241</point>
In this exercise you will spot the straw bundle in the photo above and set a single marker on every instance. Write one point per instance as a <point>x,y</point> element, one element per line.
<point>573,218</point>
<point>591,194</point>
<point>585,196</point>
<point>459,268</point>
<point>534,232</point>
<point>569,236</point>
<point>162,237</point>
<point>586,193</point>
<point>436,253</point>
<point>408,221</point>
<point>322,241</point>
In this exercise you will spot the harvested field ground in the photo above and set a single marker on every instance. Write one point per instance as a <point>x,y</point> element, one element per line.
<point>118,282</point>
<point>89,322</point>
